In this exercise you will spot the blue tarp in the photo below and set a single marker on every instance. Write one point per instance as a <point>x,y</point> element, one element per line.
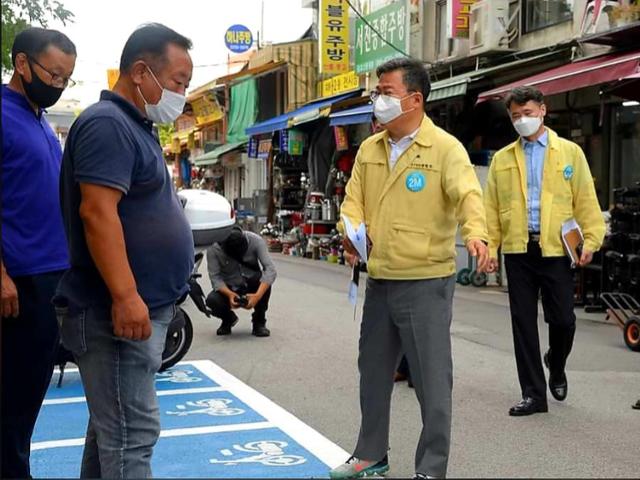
<point>351,116</point>
<point>281,121</point>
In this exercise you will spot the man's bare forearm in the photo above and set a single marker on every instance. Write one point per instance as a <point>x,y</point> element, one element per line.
<point>105,239</point>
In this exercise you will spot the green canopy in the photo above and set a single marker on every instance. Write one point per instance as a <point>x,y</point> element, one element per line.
<point>213,157</point>
<point>243,111</point>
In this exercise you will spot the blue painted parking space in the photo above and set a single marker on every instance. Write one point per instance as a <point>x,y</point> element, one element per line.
<point>264,453</point>
<point>179,377</point>
<point>213,425</point>
<point>61,421</point>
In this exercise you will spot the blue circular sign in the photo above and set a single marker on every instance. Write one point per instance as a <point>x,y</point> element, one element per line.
<point>568,172</point>
<point>416,181</point>
<point>238,38</point>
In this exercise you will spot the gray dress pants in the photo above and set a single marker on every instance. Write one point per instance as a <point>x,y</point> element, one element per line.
<point>414,317</point>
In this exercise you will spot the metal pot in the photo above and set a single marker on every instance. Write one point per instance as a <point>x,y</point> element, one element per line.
<point>328,211</point>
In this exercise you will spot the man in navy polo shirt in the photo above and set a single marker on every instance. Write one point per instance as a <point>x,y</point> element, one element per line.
<point>131,250</point>
<point>34,249</point>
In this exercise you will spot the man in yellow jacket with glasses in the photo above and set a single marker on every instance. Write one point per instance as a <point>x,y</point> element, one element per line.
<point>412,185</point>
<point>534,186</point>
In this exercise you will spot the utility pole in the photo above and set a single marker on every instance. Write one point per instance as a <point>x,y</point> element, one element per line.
<point>261,24</point>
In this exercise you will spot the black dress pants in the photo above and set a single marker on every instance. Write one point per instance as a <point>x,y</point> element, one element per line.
<point>219,305</point>
<point>29,345</point>
<point>530,274</point>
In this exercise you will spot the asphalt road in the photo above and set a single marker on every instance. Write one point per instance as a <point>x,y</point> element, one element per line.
<point>308,366</point>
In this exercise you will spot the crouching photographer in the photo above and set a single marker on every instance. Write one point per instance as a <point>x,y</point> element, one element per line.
<point>242,273</point>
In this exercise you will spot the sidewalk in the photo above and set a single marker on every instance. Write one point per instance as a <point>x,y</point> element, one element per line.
<point>492,294</point>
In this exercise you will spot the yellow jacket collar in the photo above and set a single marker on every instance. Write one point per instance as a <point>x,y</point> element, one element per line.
<point>424,133</point>
<point>552,141</point>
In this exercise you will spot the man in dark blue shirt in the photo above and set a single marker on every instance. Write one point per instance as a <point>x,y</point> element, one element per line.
<point>131,250</point>
<point>34,249</point>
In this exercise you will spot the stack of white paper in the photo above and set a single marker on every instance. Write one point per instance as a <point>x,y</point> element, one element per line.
<point>359,240</point>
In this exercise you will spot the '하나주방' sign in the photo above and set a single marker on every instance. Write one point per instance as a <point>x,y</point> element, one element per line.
<point>238,38</point>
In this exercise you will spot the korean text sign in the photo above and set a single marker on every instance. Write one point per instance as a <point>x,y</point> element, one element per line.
<point>334,36</point>
<point>392,24</point>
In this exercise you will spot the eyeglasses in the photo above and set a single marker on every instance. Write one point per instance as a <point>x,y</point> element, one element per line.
<point>56,80</point>
<point>374,94</point>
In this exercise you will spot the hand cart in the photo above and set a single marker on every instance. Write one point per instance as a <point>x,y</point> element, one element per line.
<point>625,310</point>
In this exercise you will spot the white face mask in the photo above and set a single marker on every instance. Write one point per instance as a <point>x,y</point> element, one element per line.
<point>168,108</point>
<point>387,108</point>
<point>527,126</point>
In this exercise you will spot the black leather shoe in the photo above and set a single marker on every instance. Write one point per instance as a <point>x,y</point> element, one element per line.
<point>558,385</point>
<point>636,406</point>
<point>260,331</point>
<point>528,406</point>
<point>225,328</point>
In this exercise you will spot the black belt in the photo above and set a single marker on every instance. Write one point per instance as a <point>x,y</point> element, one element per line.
<point>534,237</point>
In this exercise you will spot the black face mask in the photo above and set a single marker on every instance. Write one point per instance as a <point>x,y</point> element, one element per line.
<point>236,244</point>
<point>39,92</point>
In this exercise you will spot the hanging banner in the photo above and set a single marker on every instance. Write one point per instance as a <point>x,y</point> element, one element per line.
<point>252,150</point>
<point>334,36</point>
<point>296,142</point>
<point>264,148</point>
<point>458,16</point>
<point>391,24</point>
<point>206,109</point>
<point>340,83</point>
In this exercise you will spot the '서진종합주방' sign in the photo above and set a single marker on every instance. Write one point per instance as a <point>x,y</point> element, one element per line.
<point>238,38</point>
<point>391,24</point>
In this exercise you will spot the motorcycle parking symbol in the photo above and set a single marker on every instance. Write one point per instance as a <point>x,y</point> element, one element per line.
<point>215,407</point>
<point>177,376</point>
<point>270,453</point>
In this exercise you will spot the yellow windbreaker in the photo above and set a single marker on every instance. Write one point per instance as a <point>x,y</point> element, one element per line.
<point>568,191</point>
<point>412,212</point>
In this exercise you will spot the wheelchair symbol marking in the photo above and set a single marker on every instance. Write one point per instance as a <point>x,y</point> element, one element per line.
<point>177,376</point>
<point>215,407</point>
<point>270,453</point>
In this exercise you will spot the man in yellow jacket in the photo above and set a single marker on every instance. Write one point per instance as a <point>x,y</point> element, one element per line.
<point>412,185</point>
<point>534,186</point>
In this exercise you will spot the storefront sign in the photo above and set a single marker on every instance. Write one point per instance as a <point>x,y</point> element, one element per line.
<point>342,141</point>
<point>264,148</point>
<point>334,36</point>
<point>238,38</point>
<point>392,24</point>
<point>232,159</point>
<point>206,110</point>
<point>252,150</point>
<point>112,77</point>
<point>340,83</point>
<point>283,143</point>
<point>458,15</point>
<point>296,142</point>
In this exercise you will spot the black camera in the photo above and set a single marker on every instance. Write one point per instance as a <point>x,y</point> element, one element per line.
<point>242,300</point>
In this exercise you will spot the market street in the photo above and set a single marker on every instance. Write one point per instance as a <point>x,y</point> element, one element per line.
<point>308,366</point>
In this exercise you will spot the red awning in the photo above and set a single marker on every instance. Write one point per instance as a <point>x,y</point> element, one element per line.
<point>584,73</point>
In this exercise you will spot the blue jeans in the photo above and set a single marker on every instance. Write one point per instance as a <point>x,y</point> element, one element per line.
<point>119,382</point>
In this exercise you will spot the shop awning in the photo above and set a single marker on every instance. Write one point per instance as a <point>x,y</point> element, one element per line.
<point>573,76</point>
<point>213,157</point>
<point>352,116</point>
<point>448,89</point>
<point>307,113</point>
<point>318,108</point>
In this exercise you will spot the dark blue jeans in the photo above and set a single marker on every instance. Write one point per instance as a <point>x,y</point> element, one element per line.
<point>29,344</point>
